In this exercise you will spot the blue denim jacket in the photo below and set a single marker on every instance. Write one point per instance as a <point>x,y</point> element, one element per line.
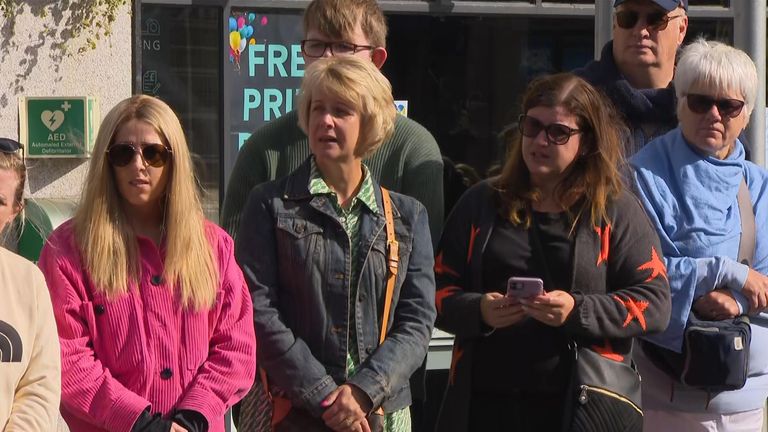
<point>296,257</point>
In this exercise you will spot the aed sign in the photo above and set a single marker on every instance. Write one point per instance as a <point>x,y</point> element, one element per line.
<point>58,126</point>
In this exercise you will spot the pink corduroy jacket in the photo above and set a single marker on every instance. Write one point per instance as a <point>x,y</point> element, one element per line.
<point>141,349</point>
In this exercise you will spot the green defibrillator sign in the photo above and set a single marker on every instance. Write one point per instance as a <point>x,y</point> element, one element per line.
<point>58,126</point>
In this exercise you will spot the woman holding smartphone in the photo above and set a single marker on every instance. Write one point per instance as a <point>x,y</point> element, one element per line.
<point>558,212</point>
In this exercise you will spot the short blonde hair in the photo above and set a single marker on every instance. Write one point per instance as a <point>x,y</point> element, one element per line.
<point>718,66</point>
<point>358,83</point>
<point>104,234</point>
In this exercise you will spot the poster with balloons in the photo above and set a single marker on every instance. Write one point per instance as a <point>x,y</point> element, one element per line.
<point>241,33</point>
<point>265,68</point>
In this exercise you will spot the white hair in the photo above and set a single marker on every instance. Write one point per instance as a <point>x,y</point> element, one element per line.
<point>717,66</point>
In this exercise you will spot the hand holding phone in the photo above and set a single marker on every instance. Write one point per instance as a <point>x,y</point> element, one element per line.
<point>524,287</point>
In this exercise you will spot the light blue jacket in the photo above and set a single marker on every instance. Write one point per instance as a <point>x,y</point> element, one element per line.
<point>691,199</point>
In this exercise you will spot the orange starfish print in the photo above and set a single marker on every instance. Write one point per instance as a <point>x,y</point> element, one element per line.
<point>607,352</point>
<point>635,310</point>
<point>655,265</point>
<point>441,294</point>
<point>605,241</point>
<point>441,269</point>
<point>472,234</point>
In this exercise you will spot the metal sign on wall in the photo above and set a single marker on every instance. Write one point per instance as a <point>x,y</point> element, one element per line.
<point>58,126</point>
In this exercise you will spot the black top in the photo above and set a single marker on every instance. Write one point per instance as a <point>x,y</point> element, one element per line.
<point>525,356</point>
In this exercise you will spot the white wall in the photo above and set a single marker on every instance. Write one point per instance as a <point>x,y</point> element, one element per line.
<point>31,65</point>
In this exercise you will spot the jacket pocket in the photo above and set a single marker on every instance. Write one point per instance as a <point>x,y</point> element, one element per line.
<point>118,336</point>
<point>298,240</point>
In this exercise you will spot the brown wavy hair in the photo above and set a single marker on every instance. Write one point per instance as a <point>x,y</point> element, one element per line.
<point>593,178</point>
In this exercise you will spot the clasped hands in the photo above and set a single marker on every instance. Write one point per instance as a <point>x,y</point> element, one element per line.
<point>346,409</point>
<point>551,308</point>
<point>719,304</point>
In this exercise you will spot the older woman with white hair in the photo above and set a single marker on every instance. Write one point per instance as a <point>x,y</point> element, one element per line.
<point>688,181</point>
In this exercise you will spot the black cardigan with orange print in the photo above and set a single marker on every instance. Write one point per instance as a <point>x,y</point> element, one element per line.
<point>618,282</point>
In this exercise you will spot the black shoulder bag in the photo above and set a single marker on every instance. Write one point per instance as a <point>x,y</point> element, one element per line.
<point>603,395</point>
<point>715,353</point>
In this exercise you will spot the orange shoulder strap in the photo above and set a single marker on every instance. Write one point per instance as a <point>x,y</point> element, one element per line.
<point>393,258</point>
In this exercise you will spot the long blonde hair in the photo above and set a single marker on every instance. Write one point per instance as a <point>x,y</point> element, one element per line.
<point>104,235</point>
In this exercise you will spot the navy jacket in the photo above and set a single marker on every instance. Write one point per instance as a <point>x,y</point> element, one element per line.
<point>648,113</point>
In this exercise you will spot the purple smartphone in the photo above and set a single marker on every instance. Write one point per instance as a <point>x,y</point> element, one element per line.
<point>524,287</point>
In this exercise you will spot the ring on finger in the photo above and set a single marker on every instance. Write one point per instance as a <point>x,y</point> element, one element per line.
<point>349,422</point>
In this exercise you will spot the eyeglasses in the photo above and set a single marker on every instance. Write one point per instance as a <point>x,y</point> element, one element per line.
<point>316,48</point>
<point>8,145</point>
<point>121,154</point>
<point>702,104</point>
<point>556,133</point>
<point>657,21</point>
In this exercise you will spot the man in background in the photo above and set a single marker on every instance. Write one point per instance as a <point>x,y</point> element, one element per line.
<point>636,68</point>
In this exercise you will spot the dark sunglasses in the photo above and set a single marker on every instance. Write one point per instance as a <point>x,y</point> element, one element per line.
<point>556,133</point>
<point>121,154</point>
<point>658,21</point>
<point>701,104</point>
<point>8,145</point>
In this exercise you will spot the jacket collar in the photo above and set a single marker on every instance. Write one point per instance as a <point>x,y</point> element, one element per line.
<point>297,188</point>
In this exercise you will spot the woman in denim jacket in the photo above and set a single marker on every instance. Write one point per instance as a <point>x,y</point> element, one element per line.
<point>313,247</point>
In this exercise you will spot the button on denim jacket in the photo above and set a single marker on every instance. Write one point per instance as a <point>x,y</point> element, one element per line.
<point>296,257</point>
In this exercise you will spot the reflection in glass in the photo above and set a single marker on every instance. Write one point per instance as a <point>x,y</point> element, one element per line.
<point>180,61</point>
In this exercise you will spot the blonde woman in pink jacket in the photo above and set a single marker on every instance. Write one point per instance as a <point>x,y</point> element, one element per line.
<point>154,316</point>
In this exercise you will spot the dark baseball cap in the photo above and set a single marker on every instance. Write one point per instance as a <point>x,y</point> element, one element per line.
<point>667,5</point>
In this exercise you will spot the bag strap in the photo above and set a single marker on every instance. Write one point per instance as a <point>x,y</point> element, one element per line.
<point>393,259</point>
<point>747,241</point>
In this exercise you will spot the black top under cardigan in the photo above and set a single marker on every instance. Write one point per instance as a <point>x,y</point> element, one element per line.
<point>618,282</point>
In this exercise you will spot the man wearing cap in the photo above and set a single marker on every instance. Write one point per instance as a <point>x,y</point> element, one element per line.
<point>635,69</point>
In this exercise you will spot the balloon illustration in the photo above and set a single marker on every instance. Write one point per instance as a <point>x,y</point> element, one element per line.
<point>248,31</point>
<point>243,43</point>
<point>232,24</point>
<point>252,42</point>
<point>251,17</point>
<point>243,33</point>
<point>240,22</point>
<point>264,20</point>
<point>234,40</point>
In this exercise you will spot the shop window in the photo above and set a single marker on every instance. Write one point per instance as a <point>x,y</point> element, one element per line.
<point>180,62</point>
<point>463,78</point>
<point>264,68</point>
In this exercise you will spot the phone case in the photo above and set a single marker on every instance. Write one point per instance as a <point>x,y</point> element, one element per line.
<point>523,287</point>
